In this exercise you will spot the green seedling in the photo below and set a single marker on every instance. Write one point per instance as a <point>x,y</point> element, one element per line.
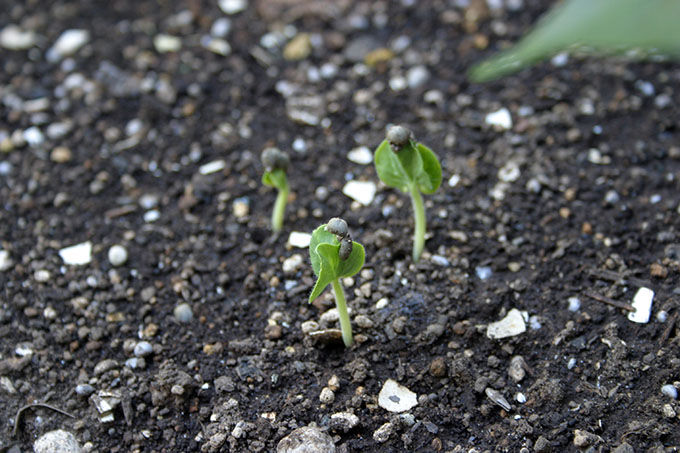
<point>275,165</point>
<point>334,256</point>
<point>411,167</point>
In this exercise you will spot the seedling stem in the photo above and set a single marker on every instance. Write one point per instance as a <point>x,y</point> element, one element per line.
<point>341,305</point>
<point>280,206</point>
<point>419,216</point>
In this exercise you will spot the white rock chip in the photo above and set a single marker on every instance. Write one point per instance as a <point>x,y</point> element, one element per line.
<point>292,264</point>
<point>13,37</point>
<point>509,172</point>
<point>513,324</point>
<point>360,191</point>
<point>299,239</point>
<point>670,391</point>
<point>500,119</point>
<point>167,43</point>
<point>308,439</point>
<point>67,44</point>
<point>117,255</point>
<point>361,155</point>
<point>183,313</point>
<point>642,302</point>
<point>394,397</point>
<point>78,254</point>
<point>58,441</point>
<point>212,167</point>
<point>232,6</point>
<point>5,260</point>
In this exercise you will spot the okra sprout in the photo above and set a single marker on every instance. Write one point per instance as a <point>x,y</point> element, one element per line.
<point>411,167</point>
<point>334,256</point>
<point>275,164</point>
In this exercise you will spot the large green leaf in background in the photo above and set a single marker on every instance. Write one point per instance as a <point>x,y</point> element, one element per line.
<point>634,28</point>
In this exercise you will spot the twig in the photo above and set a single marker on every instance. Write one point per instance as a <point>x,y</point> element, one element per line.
<point>610,301</point>
<point>616,277</point>
<point>17,418</point>
<point>667,331</point>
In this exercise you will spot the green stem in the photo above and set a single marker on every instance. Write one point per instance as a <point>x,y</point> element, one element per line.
<point>340,303</point>
<point>280,207</point>
<point>419,216</point>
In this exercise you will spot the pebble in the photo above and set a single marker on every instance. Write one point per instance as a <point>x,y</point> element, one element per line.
<point>84,389</point>
<point>67,44</point>
<point>398,83</point>
<point>104,365</point>
<point>61,155</point>
<point>326,396</point>
<point>500,119</point>
<point>438,367</point>
<point>221,27</point>
<point>417,76</point>
<point>183,313</point>
<point>292,264</point>
<point>440,260</point>
<point>216,45</point>
<point>151,215</point>
<point>360,191</point>
<point>241,207</point>
<point>520,398</point>
<point>13,37</point>
<point>394,397</point>
<point>517,371</point>
<point>496,397</point>
<point>360,155</point>
<point>509,172</point>
<point>308,327</point>
<point>483,272</point>
<point>167,43</point>
<point>77,255</point>
<point>5,260</point>
<point>232,6</point>
<point>34,136</point>
<point>58,441</point>
<point>382,434</point>
<point>574,303</point>
<point>117,255</point>
<point>212,167</point>
<point>583,439</point>
<point>308,439</point>
<point>670,391</point>
<point>42,275</point>
<point>298,48</point>
<point>642,302</point>
<point>299,239</point>
<point>513,324</point>
<point>143,349</point>
<point>344,421</point>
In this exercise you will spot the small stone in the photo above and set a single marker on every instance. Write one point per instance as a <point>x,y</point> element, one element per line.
<point>308,439</point>
<point>77,255</point>
<point>34,136</point>
<point>542,445</point>
<point>344,421</point>
<point>642,302</point>
<point>513,324</point>
<point>298,48</point>
<point>517,369</point>
<point>326,396</point>
<point>61,155</point>
<point>292,264</point>
<point>42,275</point>
<point>509,172</point>
<point>583,439</point>
<point>273,332</point>
<point>496,397</point>
<point>151,215</point>
<point>183,313</point>
<point>104,366</point>
<point>84,389</point>
<point>216,45</point>
<point>394,397</point>
<point>13,37</point>
<point>624,448</point>
<point>143,349</point>
<point>308,327</point>
<point>657,270</point>
<point>167,43</point>
<point>417,76</point>
<point>299,239</point>
<point>670,391</point>
<point>221,27</point>
<point>58,441</point>
<point>500,119</point>
<point>378,56</point>
<point>574,303</point>
<point>67,44</point>
<point>241,207</point>
<point>334,383</point>
<point>382,434</point>
<point>117,255</point>
<point>438,367</point>
<point>483,272</point>
<point>360,191</point>
<point>232,6</point>
<point>212,167</point>
<point>5,261</point>
<point>361,155</point>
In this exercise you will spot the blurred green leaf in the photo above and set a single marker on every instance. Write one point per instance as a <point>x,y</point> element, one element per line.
<point>634,28</point>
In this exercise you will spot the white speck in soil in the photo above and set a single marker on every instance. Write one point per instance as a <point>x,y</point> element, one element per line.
<point>670,391</point>
<point>483,272</point>
<point>574,303</point>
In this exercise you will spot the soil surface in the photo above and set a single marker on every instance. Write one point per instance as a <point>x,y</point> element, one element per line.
<point>146,132</point>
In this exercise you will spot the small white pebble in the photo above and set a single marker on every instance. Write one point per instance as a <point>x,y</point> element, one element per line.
<point>440,260</point>
<point>5,260</point>
<point>559,60</point>
<point>143,349</point>
<point>670,391</point>
<point>382,303</point>
<point>571,363</point>
<point>299,239</point>
<point>212,167</point>
<point>327,396</point>
<point>67,44</point>
<point>241,207</point>
<point>642,302</point>
<point>360,191</point>
<point>574,303</point>
<point>499,119</point>
<point>662,316</point>
<point>77,255</point>
<point>509,172</point>
<point>232,6</point>
<point>309,326</point>
<point>398,83</point>
<point>117,255</point>
<point>42,275</point>
<point>151,216</point>
<point>454,180</point>
<point>292,263</point>
<point>520,398</point>
<point>361,155</point>
<point>167,43</point>
<point>50,313</point>
<point>183,313</point>
<point>483,272</point>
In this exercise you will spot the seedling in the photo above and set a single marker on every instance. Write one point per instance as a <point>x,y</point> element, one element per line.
<point>411,167</point>
<point>275,165</point>
<point>334,256</point>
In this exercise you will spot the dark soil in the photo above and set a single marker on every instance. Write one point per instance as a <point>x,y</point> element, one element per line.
<point>593,211</point>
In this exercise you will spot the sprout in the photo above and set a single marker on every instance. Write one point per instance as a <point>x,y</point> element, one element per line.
<point>335,256</point>
<point>276,163</point>
<point>410,167</point>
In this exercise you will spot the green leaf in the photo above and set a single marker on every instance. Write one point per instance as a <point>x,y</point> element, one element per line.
<point>430,178</point>
<point>389,167</point>
<point>275,178</point>
<point>411,161</point>
<point>327,265</point>
<point>638,28</point>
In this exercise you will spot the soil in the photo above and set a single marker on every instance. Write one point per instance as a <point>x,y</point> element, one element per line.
<point>574,203</point>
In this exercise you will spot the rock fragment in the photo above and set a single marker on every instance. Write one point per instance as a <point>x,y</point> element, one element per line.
<point>394,397</point>
<point>513,324</point>
<point>308,439</point>
<point>58,441</point>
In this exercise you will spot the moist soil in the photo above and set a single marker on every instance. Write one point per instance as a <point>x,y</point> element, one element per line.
<point>573,204</point>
